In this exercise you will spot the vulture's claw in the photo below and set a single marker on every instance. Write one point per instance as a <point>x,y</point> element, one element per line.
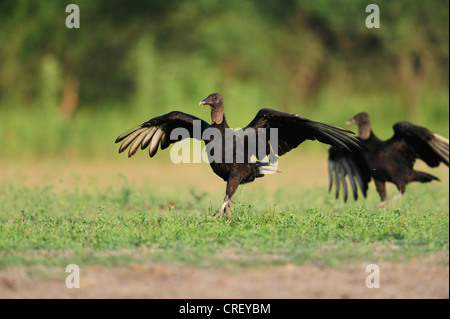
<point>225,208</point>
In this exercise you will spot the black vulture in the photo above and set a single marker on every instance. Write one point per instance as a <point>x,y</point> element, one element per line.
<point>386,161</point>
<point>290,131</point>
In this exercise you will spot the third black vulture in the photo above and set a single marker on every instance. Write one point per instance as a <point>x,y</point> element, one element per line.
<point>292,130</point>
<point>386,161</point>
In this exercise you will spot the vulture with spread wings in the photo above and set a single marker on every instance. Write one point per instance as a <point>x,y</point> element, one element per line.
<point>386,161</point>
<point>284,132</point>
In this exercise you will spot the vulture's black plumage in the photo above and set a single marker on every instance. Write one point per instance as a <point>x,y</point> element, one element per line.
<point>292,131</point>
<point>386,161</point>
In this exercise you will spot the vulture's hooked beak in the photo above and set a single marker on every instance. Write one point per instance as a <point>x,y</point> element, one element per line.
<point>201,103</point>
<point>350,122</point>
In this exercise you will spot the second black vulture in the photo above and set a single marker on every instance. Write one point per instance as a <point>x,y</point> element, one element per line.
<point>291,131</point>
<point>386,161</point>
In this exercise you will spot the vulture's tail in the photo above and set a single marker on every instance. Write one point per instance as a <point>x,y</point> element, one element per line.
<point>423,177</point>
<point>266,168</point>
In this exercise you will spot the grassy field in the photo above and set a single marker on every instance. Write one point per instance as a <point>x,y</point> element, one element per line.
<point>144,225</point>
<point>70,219</point>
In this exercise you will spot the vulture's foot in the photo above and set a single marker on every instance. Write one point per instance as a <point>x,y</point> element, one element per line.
<point>218,214</point>
<point>383,204</point>
<point>386,202</point>
<point>225,208</point>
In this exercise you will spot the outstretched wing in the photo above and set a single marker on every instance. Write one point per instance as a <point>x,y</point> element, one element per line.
<point>293,130</point>
<point>419,142</point>
<point>343,164</point>
<point>158,130</point>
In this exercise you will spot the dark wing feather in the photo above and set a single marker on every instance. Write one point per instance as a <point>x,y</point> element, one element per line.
<point>343,163</point>
<point>293,130</point>
<point>157,131</point>
<point>418,142</point>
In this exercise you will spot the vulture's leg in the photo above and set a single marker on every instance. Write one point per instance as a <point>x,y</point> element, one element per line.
<point>229,207</point>
<point>401,187</point>
<point>226,206</point>
<point>220,212</point>
<point>390,200</point>
<point>232,185</point>
<point>397,196</point>
<point>381,189</point>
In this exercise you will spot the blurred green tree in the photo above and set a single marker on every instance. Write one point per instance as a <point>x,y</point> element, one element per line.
<point>265,51</point>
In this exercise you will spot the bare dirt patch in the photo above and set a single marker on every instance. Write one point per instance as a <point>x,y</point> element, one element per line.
<point>397,280</point>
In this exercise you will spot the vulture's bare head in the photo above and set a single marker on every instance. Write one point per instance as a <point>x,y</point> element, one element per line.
<point>359,119</point>
<point>215,101</point>
<point>363,121</point>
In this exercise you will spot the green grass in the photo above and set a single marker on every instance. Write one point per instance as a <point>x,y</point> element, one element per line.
<point>126,224</point>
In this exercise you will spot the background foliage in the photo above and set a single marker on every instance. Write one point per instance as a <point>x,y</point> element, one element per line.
<point>70,92</point>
